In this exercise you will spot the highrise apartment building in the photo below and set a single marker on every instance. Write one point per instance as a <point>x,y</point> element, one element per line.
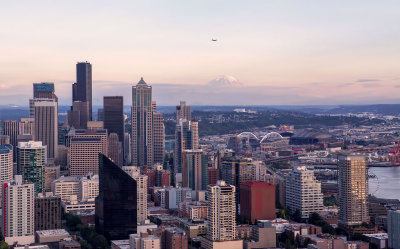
<point>393,228</point>
<point>147,129</point>
<point>47,212</point>
<point>222,212</point>
<point>353,189</point>
<point>303,192</point>
<point>18,212</point>
<point>141,188</point>
<point>46,125</point>
<point>82,89</point>
<point>31,163</point>
<point>6,163</point>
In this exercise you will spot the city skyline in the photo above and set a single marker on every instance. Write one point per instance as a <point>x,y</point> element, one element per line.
<point>281,52</point>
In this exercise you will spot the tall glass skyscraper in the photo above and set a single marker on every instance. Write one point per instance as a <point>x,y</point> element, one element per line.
<point>116,205</point>
<point>82,89</point>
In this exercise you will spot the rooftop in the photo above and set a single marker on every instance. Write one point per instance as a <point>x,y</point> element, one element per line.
<point>54,232</point>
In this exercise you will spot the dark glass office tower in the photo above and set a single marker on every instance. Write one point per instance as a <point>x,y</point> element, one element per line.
<point>82,89</point>
<point>116,205</point>
<point>114,116</point>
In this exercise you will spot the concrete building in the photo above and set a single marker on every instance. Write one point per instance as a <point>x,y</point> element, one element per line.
<point>51,173</point>
<point>82,188</point>
<point>222,212</point>
<point>4,139</point>
<point>353,190</point>
<point>6,163</point>
<point>115,149</point>
<point>263,236</point>
<point>78,115</point>
<point>257,201</point>
<point>31,162</point>
<point>47,212</point>
<point>84,149</point>
<point>393,230</point>
<point>141,188</point>
<point>27,126</point>
<point>144,241</point>
<point>174,196</point>
<point>175,238</point>
<point>18,212</point>
<point>51,235</point>
<point>303,192</point>
<point>159,137</point>
<point>46,125</point>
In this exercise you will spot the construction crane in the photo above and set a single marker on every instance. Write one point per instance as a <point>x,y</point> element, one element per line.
<point>394,155</point>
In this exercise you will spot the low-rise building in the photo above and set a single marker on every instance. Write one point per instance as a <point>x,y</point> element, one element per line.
<point>48,236</point>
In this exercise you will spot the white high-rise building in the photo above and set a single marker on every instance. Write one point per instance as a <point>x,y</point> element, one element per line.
<point>6,163</point>
<point>303,192</point>
<point>18,210</point>
<point>141,188</point>
<point>353,189</point>
<point>221,212</point>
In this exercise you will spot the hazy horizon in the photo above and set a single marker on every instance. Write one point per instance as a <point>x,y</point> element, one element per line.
<point>276,52</point>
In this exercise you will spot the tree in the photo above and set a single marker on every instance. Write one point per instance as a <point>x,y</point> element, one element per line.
<point>4,245</point>
<point>296,216</point>
<point>72,220</point>
<point>314,218</point>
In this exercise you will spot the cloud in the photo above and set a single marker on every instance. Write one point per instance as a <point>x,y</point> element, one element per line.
<point>367,80</point>
<point>346,84</point>
<point>397,86</point>
<point>370,85</point>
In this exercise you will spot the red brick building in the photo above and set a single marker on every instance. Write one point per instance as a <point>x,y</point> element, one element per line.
<point>257,200</point>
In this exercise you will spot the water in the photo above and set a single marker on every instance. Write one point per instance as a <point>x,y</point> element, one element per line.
<point>386,184</point>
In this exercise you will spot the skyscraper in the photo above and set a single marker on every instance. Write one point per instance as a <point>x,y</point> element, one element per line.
<point>6,163</point>
<point>46,125</point>
<point>114,116</point>
<point>27,126</point>
<point>78,115</point>
<point>31,162</point>
<point>194,170</point>
<point>82,89</point>
<point>11,129</point>
<point>303,192</point>
<point>147,127</point>
<point>353,189</point>
<point>183,111</point>
<point>221,212</point>
<point>44,90</point>
<point>186,138</point>
<point>115,149</point>
<point>18,212</point>
<point>116,205</point>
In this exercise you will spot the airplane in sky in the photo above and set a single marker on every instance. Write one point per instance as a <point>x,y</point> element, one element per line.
<point>214,40</point>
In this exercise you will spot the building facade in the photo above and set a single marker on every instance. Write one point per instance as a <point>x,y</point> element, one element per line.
<point>31,163</point>
<point>303,192</point>
<point>6,163</point>
<point>47,212</point>
<point>353,189</point>
<point>222,212</point>
<point>82,89</point>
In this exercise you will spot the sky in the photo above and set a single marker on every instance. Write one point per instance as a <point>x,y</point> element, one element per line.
<point>273,52</point>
